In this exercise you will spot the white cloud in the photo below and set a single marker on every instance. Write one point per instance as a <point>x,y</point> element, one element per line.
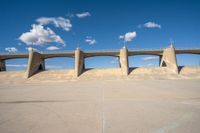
<point>83,14</point>
<point>11,49</point>
<point>16,65</point>
<point>31,48</point>
<point>19,44</point>
<point>150,65</point>
<point>90,40</point>
<point>52,48</point>
<point>58,22</point>
<point>150,58</point>
<point>38,35</point>
<point>70,15</point>
<point>114,61</point>
<point>152,25</point>
<point>121,37</point>
<point>53,67</point>
<point>129,36</point>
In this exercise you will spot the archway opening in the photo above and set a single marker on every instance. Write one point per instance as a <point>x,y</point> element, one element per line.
<point>188,60</point>
<point>18,64</point>
<point>59,63</point>
<point>101,62</point>
<point>148,61</point>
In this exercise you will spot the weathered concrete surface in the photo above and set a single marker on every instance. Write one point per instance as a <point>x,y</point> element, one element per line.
<point>100,106</point>
<point>124,61</point>
<point>35,63</point>
<point>169,59</point>
<point>2,65</point>
<point>79,62</point>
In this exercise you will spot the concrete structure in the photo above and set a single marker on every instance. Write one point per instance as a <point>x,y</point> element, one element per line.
<point>169,59</point>
<point>124,60</point>
<point>36,63</point>
<point>79,62</point>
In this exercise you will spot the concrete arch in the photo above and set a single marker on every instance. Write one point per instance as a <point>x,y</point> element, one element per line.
<point>100,56</point>
<point>47,56</point>
<point>188,53</point>
<point>145,54</point>
<point>13,58</point>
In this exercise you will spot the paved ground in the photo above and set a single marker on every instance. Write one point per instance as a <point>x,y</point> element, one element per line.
<point>122,106</point>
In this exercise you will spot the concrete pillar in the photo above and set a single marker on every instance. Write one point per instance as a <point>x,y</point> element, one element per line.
<point>124,60</point>
<point>169,59</point>
<point>2,65</point>
<point>35,63</point>
<point>79,62</point>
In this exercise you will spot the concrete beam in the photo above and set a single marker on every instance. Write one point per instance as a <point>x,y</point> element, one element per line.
<point>35,63</point>
<point>169,59</point>
<point>79,62</point>
<point>2,65</point>
<point>124,61</point>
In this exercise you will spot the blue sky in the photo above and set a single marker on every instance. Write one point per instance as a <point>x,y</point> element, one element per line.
<point>62,25</point>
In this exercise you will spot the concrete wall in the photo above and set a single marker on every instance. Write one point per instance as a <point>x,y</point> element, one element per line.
<point>2,65</point>
<point>36,60</point>
<point>35,63</point>
<point>124,61</point>
<point>79,62</point>
<point>169,59</point>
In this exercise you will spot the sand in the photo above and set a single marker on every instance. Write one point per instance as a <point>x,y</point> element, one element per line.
<point>57,102</point>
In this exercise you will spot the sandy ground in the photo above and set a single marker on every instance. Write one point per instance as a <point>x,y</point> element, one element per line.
<point>51,103</point>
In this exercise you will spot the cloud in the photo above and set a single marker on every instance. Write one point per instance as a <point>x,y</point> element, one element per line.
<point>31,48</point>
<point>16,65</point>
<point>53,67</point>
<point>114,61</point>
<point>150,58</point>
<point>11,49</point>
<point>70,15</point>
<point>150,65</point>
<point>151,25</point>
<point>58,22</point>
<point>90,40</point>
<point>121,37</point>
<point>38,35</point>
<point>52,48</point>
<point>83,14</point>
<point>129,36</point>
